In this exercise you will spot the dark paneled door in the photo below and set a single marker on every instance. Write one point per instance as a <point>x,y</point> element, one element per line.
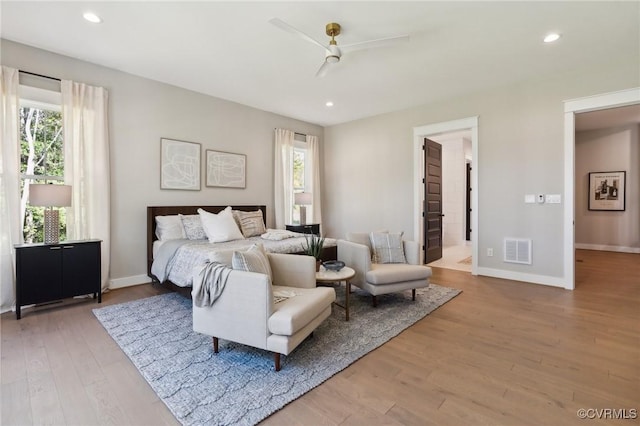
<point>432,201</point>
<point>468,212</point>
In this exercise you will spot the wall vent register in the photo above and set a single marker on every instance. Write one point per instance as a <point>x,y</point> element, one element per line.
<point>517,250</point>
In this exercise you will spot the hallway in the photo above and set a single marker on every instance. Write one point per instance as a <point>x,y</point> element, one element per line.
<point>455,257</point>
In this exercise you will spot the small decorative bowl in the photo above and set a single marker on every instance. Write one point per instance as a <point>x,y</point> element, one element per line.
<point>333,265</point>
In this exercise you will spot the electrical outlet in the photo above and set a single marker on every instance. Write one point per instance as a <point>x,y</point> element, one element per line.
<point>490,252</point>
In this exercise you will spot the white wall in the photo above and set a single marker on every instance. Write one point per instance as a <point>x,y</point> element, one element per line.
<point>612,149</point>
<point>141,111</point>
<point>368,165</point>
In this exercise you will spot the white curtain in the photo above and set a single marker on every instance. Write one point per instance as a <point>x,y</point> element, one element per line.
<point>86,165</point>
<point>313,150</point>
<point>283,170</point>
<point>10,229</point>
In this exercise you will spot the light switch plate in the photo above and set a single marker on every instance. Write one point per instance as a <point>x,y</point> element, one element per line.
<point>530,198</point>
<point>554,198</point>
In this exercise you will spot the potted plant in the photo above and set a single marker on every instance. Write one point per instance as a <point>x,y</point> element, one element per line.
<point>314,246</point>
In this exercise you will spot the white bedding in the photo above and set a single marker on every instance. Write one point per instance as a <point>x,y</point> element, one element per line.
<point>175,261</point>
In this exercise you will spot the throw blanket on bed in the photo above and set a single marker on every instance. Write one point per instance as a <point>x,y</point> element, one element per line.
<point>164,258</point>
<point>278,234</point>
<point>209,284</point>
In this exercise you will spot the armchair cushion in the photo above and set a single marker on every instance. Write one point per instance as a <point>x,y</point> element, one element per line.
<point>391,273</point>
<point>387,247</point>
<point>292,314</point>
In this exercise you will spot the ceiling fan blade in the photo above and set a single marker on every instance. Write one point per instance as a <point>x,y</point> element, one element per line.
<point>371,44</point>
<point>324,68</point>
<point>288,28</point>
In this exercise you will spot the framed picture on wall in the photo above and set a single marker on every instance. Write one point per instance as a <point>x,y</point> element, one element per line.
<point>607,191</point>
<point>179,165</point>
<point>226,169</point>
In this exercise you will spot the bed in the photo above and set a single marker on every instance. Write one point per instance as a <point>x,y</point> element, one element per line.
<point>186,253</point>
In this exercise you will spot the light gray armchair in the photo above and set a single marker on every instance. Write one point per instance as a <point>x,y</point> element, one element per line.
<point>246,312</point>
<point>383,278</point>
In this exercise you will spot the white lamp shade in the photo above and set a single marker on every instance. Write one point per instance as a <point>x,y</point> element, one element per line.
<point>302,198</point>
<point>49,195</point>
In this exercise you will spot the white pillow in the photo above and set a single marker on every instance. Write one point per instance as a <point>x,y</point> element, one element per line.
<point>169,228</point>
<point>220,227</point>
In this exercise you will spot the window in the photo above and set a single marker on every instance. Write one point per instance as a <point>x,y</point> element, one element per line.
<point>301,176</point>
<point>41,155</point>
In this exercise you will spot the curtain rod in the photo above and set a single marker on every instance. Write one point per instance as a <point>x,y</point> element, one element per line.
<point>295,133</point>
<point>39,75</point>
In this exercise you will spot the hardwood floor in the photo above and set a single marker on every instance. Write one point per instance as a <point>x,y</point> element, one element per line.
<point>501,353</point>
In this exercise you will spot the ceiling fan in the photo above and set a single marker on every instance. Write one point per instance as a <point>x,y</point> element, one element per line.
<point>333,53</point>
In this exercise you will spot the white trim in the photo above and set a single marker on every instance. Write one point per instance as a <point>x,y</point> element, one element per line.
<point>36,97</point>
<point>469,123</point>
<point>602,247</point>
<point>520,276</point>
<point>603,101</point>
<point>129,281</point>
<point>571,107</point>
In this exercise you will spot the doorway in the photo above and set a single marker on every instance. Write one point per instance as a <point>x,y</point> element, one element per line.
<point>457,252</point>
<point>456,158</point>
<point>571,108</point>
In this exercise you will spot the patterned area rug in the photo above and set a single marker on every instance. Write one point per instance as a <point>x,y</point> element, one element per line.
<point>239,385</point>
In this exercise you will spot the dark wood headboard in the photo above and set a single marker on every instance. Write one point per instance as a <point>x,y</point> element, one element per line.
<point>154,211</point>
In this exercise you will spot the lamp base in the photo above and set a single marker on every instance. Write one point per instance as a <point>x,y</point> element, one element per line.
<point>51,226</point>
<point>303,215</point>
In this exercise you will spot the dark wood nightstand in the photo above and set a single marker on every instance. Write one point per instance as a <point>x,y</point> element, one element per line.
<point>309,228</point>
<point>50,272</point>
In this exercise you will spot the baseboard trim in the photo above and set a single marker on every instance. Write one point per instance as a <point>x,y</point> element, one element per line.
<point>602,247</point>
<point>129,281</point>
<point>519,276</point>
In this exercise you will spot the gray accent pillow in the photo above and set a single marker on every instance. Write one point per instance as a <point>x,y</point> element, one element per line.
<point>387,247</point>
<point>193,227</point>
<point>253,260</point>
<point>251,223</point>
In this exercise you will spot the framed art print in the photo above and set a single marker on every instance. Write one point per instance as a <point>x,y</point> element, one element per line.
<point>179,165</point>
<point>226,169</point>
<point>607,191</point>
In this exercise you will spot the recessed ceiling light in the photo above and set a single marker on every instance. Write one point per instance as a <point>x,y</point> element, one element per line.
<point>329,104</point>
<point>92,17</point>
<point>550,38</point>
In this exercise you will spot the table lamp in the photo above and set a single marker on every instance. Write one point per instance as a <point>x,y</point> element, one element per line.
<point>303,199</point>
<point>50,195</point>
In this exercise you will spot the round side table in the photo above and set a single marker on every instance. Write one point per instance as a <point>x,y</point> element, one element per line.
<point>344,274</point>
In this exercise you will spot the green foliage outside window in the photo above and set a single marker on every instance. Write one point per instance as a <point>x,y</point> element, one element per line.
<point>298,180</point>
<point>41,161</point>
<point>298,170</point>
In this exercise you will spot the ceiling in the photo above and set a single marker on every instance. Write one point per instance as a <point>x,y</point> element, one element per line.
<point>231,51</point>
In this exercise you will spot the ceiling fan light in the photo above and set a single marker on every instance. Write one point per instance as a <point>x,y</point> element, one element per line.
<point>333,59</point>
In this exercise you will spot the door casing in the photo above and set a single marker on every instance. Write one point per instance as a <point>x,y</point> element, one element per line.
<point>571,108</point>
<point>421,132</point>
